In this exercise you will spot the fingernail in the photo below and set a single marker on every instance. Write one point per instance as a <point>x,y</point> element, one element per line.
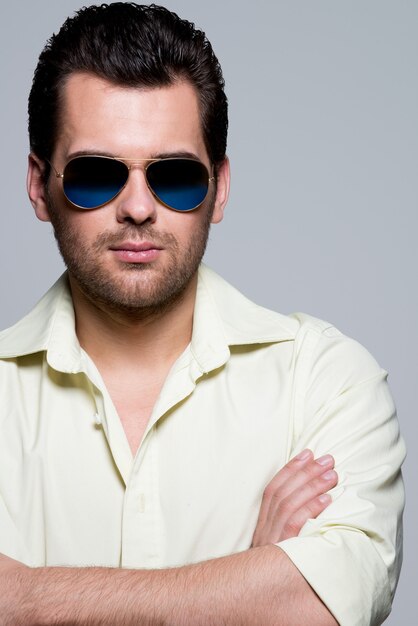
<point>325,499</point>
<point>329,475</point>
<point>304,455</point>
<point>325,460</point>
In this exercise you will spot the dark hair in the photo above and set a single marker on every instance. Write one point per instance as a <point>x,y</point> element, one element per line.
<point>131,45</point>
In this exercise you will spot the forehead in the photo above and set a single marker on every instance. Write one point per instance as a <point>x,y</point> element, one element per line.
<point>99,115</point>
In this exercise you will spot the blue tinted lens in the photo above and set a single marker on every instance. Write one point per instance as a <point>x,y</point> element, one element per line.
<point>90,197</point>
<point>183,198</point>
<point>181,184</point>
<point>90,182</point>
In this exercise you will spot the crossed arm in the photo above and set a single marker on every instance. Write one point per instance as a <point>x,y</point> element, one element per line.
<point>259,586</point>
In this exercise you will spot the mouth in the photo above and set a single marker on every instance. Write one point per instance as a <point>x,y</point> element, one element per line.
<point>136,252</point>
<point>133,246</point>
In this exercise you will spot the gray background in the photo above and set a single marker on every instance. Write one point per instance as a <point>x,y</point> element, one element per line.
<point>324,150</point>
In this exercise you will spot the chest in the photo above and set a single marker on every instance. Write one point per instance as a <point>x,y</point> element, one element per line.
<point>134,401</point>
<point>212,445</point>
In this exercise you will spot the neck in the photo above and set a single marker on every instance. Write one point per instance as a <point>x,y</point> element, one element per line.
<point>153,337</point>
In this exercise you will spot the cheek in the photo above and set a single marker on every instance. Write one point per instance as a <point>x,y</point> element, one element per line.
<point>192,227</point>
<point>77,233</point>
<point>181,225</point>
<point>88,226</point>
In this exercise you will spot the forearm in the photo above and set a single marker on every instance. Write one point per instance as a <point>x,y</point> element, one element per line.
<point>259,586</point>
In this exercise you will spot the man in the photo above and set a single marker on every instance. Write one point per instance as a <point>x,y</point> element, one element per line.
<point>147,404</point>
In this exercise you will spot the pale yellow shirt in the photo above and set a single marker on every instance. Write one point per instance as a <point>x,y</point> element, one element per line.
<point>252,389</point>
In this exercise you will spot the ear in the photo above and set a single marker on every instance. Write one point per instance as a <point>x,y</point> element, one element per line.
<point>222,191</point>
<point>36,187</point>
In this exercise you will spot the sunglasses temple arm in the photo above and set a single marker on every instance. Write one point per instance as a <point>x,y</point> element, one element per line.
<point>56,172</point>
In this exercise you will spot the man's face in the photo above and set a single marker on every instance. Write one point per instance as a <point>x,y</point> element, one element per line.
<point>101,118</point>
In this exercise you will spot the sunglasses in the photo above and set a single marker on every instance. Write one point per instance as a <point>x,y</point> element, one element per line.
<point>91,181</point>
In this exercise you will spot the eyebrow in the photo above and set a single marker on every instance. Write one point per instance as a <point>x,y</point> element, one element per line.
<point>175,154</point>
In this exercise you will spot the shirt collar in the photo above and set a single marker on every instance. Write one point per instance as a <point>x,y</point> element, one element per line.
<point>223,317</point>
<point>50,327</point>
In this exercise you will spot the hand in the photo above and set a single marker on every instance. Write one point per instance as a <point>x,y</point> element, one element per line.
<point>295,494</point>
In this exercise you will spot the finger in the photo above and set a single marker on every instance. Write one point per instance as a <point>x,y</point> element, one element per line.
<point>288,508</point>
<point>310,510</point>
<point>293,512</point>
<point>276,493</point>
<point>306,480</point>
<point>282,476</point>
<point>291,468</point>
<point>294,475</point>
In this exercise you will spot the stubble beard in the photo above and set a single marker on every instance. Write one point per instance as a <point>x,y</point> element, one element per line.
<point>139,292</point>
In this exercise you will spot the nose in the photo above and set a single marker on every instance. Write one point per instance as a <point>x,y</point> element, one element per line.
<point>136,204</point>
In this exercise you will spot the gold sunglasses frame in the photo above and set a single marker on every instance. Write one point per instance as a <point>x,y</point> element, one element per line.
<point>129,164</point>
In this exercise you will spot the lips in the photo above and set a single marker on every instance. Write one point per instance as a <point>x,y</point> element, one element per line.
<point>132,246</point>
<point>136,252</point>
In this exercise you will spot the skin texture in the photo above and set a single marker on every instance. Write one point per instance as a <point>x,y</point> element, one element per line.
<point>260,586</point>
<point>87,238</point>
<point>126,309</point>
<point>123,311</point>
<point>295,494</point>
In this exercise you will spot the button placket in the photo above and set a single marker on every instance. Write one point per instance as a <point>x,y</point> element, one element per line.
<point>141,537</point>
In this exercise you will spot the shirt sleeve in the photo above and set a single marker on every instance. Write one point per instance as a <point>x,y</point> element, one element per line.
<point>351,554</point>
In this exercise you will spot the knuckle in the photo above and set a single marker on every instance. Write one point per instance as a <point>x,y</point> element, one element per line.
<point>292,464</point>
<point>276,481</point>
<point>323,483</point>
<point>292,529</point>
<point>282,475</point>
<point>284,508</point>
<point>269,491</point>
<point>312,489</point>
<point>317,487</point>
<point>274,490</point>
<point>309,471</point>
<point>313,508</point>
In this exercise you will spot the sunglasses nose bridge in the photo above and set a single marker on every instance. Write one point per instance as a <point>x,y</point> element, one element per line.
<point>137,163</point>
